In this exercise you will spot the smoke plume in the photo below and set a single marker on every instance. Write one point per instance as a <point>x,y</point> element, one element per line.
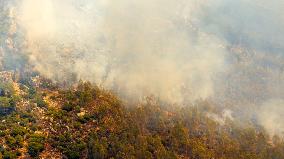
<point>177,50</point>
<point>136,48</point>
<point>271,116</point>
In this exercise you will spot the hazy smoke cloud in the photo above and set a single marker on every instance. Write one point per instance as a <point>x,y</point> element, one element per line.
<point>221,119</point>
<point>227,50</point>
<point>271,116</point>
<point>137,48</point>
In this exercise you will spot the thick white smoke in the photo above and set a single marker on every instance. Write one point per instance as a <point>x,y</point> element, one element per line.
<point>177,50</point>
<point>137,48</point>
<point>271,115</point>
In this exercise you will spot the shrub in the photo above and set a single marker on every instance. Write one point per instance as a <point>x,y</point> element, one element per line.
<point>36,144</point>
<point>40,102</point>
<point>68,107</point>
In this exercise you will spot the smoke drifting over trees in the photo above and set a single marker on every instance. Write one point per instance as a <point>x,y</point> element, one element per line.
<point>230,52</point>
<point>136,48</point>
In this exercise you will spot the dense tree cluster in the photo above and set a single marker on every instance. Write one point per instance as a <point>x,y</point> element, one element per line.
<point>7,98</point>
<point>89,122</point>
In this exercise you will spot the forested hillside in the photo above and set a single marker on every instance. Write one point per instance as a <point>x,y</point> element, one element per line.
<point>41,120</point>
<point>156,79</point>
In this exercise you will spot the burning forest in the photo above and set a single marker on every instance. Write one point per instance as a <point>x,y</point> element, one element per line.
<point>161,79</point>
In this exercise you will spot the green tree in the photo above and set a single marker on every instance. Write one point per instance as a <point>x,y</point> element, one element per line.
<point>36,144</point>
